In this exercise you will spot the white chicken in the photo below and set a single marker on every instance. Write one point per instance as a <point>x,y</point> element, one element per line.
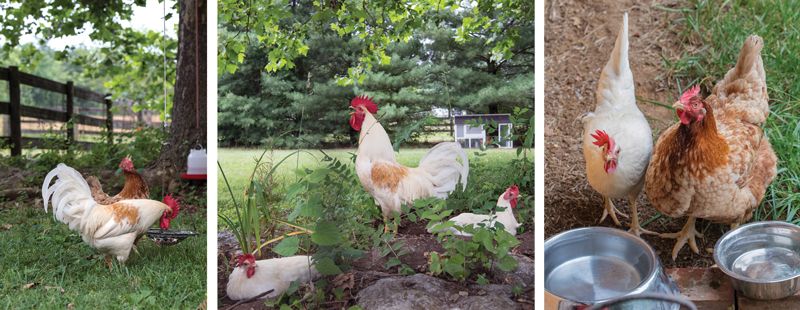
<point>392,184</point>
<point>505,203</point>
<point>252,278</point>
<point>111,229</point>
<point>617,140</point>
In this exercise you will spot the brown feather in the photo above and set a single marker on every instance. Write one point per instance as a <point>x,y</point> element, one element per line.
<point>122,211</point>
<point>387,175</point>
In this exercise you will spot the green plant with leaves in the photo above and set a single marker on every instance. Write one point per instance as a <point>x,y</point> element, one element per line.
<point>488,248</point>
<point>255,216</point>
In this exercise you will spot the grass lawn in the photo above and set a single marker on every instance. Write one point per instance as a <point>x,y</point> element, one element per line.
<point>238,164</point>
<point>44,265</point>
<point>720,28</point>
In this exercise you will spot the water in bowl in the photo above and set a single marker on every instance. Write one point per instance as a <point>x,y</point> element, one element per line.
<point>593,278</point>
<point>768,264</point>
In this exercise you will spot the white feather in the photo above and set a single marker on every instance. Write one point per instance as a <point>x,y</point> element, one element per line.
<point>618,115</point>
<point>439,170</point>
<point>72,202</point>
<point>271,274</point>
<point>503,215</point>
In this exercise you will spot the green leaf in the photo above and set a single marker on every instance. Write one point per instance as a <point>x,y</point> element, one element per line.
<point>392,262</point>
<point>507,263</point>
<point>484,237</point>
<point>288,246</point>
<point>482,279</point>
<point>435,264</point>
<point>326,233</point>
<point>327,267</point>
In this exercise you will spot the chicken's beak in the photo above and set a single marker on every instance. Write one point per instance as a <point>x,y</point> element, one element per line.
<point>678,106</point>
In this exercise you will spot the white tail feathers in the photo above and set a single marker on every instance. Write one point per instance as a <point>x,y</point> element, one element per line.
<point>71,196</point>
<point>442,163</point>
<point>615,86</point>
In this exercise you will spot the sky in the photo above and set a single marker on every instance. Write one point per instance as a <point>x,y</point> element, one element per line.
<point>144,18</point>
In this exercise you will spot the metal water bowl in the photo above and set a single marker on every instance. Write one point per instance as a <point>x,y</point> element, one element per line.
<point>595,265</point>
<point>762,259</point>
<point>168,237</point>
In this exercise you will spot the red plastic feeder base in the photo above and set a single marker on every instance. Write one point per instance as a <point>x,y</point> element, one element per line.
<point>193,177</point>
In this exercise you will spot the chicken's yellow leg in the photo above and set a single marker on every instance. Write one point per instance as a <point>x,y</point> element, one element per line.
<point>636,229</point>
<point>688,233</point>
<point>610,209</point>
<point>385,224</point>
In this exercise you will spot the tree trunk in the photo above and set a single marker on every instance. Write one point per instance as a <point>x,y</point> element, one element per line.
<point>188,127</point>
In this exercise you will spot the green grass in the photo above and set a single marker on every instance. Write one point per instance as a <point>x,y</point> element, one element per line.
<point>37,249</point>
<point>239,163</point>
<point>720,28</point>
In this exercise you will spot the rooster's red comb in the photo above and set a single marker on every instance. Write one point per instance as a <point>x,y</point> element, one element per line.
<point>689,94</point>
<point>601,138</point>
<point>173,204</point>
<point>513,189</point>
<point>245,258</point>
<point>366,102</point>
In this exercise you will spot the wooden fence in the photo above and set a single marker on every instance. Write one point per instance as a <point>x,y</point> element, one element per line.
<point>16,110</point>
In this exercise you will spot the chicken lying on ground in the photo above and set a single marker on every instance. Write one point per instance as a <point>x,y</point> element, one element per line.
<point>135,186</point>
<point>392,184</point>
<point>252,278</point>
<point>717,162</point>
<point>506,203</point>
<point>112,228</point>
<point>617,141</point>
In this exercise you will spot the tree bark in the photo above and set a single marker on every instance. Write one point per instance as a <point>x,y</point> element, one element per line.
<point>188,127</point>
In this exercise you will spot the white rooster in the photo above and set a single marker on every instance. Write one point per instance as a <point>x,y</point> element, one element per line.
<point>392,184</point>
<point>111,229</point>
<point>617,140</point>
<point>505,203</point>
<point>252,278</point>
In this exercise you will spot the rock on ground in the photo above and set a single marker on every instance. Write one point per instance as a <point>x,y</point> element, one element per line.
<point>421,291</point>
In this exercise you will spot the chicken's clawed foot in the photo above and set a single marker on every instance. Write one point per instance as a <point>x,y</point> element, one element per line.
<point>109,262</point>
<point>688,233</point>
<point>610,209</point>
<point>636,228</point>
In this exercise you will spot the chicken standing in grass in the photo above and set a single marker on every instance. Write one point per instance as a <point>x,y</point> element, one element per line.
<point>252,278</point>
<point>392,184</point>
<point>617,141</point>
<point>716,162</point>
<point>135,186</point>
<point>112,228</point>
<point>506,204</point>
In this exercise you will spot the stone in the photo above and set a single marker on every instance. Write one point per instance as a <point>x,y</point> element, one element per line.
<point>422,291</point>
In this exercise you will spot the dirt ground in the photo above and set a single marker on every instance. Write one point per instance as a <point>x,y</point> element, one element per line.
<point>579,37</point>
<point>366,270</point>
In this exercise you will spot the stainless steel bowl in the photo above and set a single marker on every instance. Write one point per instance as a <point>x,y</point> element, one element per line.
<point>596,264</point>
<point>762,259</point>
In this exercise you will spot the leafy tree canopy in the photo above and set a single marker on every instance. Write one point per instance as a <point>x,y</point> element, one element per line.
<point>436,65</point>
<point>377,24</point>
<point>125,62</point>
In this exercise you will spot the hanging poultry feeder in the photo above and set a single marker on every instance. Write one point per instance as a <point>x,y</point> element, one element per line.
<point>196,165</point>
<point>168,237</point>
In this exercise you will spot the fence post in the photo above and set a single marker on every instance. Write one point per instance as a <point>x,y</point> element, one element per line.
<point>71,124</point>
<point>109,120</point>
<point>14,114</point>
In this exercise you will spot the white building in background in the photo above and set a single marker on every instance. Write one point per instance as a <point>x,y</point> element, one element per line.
<point>475,137</point>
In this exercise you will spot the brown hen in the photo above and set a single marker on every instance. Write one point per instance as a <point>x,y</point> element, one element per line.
<point>135,186</point>
<point>716,163</point>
